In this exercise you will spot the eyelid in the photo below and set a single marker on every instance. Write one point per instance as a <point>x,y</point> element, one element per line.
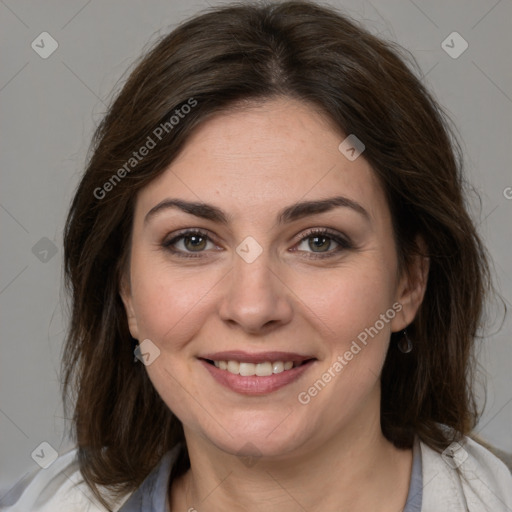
<point>320,231</point>
<point>188,231</point>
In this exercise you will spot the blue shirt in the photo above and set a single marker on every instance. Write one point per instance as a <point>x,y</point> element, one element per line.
<point>151,496</point>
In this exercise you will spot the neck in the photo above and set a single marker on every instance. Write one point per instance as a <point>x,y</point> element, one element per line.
<point>351,472</point>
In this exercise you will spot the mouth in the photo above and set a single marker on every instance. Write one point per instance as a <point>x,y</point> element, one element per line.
<point>256,374</point>
<point>263,369</point>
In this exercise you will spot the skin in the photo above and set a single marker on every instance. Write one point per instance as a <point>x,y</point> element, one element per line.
<point>329,454</point>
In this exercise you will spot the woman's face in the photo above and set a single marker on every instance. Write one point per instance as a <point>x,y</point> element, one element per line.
<point>247,284</point>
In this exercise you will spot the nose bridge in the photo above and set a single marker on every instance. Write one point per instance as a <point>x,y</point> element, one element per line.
<point>255,296</point>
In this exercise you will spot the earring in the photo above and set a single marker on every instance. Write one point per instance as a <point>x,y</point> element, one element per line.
<point>135,344</point>
<point>405,343</point>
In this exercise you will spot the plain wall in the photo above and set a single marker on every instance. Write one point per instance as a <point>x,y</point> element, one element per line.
<point>49,108</point>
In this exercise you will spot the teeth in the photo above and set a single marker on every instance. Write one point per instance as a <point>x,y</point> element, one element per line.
<point>248,369</point>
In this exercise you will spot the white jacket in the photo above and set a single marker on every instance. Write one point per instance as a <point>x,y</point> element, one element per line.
<point>471,480</point>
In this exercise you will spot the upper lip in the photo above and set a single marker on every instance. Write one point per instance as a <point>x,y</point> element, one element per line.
<point>261,357</point>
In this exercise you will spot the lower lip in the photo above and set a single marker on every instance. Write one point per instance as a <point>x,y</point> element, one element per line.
<point>254,385</point>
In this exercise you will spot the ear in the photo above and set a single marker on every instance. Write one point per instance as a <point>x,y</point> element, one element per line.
<point>126,295</point>
<point>412,286</point>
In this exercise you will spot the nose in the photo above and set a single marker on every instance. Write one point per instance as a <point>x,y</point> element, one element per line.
<point>256,298</point>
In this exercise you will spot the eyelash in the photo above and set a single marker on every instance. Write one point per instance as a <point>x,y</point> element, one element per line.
<point>343,243</point>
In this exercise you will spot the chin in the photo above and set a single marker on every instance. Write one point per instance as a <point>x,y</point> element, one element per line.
<point>265,439</point>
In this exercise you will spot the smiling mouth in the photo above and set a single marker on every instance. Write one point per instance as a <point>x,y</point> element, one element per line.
<point>263,369</point>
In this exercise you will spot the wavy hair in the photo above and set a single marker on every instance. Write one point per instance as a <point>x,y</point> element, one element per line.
<point>220,59</point>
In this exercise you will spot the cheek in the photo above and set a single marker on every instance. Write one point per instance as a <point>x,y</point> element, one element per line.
<point>344,302</point>
<point>353,319</point>
<point>169,302</point>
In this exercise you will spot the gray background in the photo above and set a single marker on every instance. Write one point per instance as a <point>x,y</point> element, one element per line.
<point>50,106</point>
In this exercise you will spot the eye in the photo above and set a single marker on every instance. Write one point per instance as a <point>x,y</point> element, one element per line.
<point>191,241</point>
<point>319,240</point>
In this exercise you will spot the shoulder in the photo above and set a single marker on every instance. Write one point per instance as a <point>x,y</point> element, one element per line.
<point>58,488</point>
<point>466,476</point>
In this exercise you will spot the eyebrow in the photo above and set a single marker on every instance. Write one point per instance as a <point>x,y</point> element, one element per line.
<point>291,213</point>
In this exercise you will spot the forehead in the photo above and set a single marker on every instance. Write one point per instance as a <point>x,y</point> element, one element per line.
<point>264,157</point>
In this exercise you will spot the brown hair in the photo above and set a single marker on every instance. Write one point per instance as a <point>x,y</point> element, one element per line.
<point>248,52</point>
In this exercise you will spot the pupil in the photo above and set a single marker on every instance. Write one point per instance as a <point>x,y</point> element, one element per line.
<point>324,238</point>
<point>194,240</point>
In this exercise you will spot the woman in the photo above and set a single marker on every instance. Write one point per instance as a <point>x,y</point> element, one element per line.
<point>276,284</point>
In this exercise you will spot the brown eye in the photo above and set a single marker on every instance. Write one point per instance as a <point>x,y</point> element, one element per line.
<point>195,242</point>
<point>320,241</point>
<point>188,242</point>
